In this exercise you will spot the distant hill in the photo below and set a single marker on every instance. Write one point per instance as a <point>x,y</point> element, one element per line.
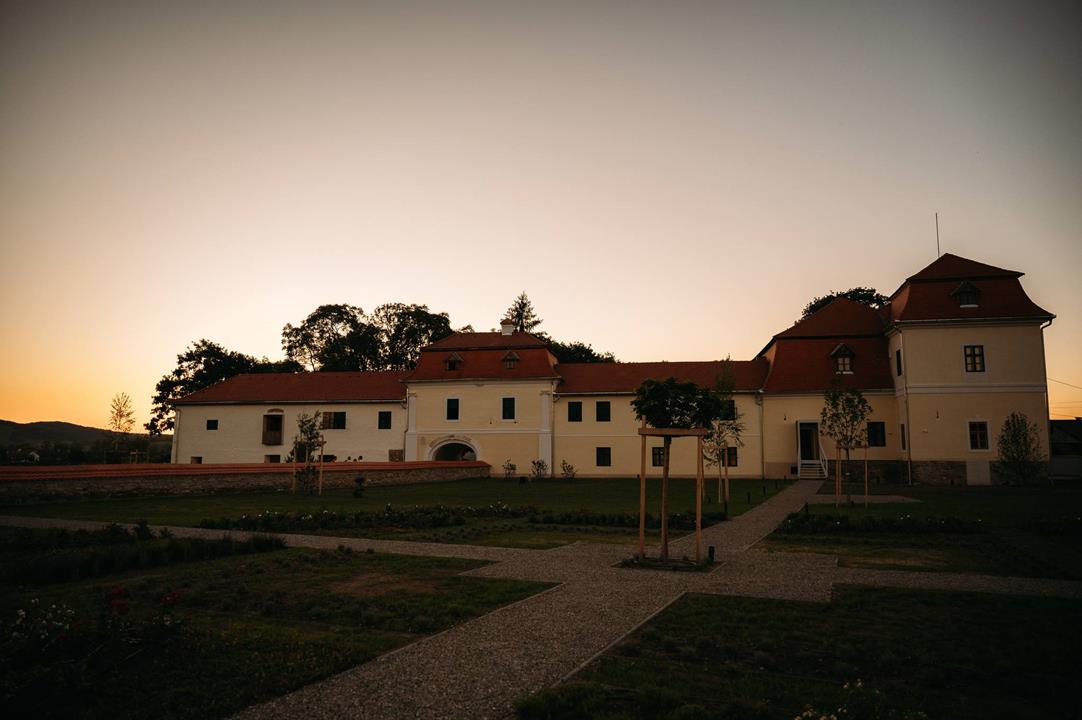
<point>52,431</point>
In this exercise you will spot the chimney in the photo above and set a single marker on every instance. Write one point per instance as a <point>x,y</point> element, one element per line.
<point>507,326</point>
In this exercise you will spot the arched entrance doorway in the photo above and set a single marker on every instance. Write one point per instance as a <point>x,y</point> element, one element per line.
<point>454,451</point>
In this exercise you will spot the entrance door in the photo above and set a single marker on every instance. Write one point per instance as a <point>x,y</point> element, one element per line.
<point>808,435</point>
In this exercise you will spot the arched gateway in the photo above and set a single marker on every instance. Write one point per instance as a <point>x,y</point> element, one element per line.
<point>454,450</point>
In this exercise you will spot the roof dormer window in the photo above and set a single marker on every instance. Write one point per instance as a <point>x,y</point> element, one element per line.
<point>453,362</point>
<point>510,360</point>
<point>843,359</point>
<point>967,295</point>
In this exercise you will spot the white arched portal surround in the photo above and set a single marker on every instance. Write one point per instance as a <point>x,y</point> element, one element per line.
<point>443,442</point>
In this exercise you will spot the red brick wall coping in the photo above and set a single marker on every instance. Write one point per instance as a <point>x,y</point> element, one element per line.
<point>147,470</point>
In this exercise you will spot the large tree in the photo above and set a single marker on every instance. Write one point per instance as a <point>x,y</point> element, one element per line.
<point>864,295</point>
<point>405,329</point>
<point>670,403</point>
<point>201,365</point>
<point>334,337</point>
<point>523,315</point>
<point>578,352</point>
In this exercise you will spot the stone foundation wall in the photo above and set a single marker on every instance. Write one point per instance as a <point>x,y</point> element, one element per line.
<point>880,472</point>
<point>178,482</point>
<point>939,472</point>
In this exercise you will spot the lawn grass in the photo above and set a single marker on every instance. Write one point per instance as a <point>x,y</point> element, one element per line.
<point>240,629</point>
<point>619,495</point>
<point>1014,539</point>
<point>949,655</point>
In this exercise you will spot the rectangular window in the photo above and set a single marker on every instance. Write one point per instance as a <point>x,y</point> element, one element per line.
<point>508,408</point>
<point>197,459</point>
<point>877,434</point>
<point>730,457</point>
<point>334,421</point>
<point>272,458</point>
<point>903,436</point>
<point>604,411</point>
<point>974,355</point>
<point>574,411</point>
<point>212,424</point>
<point>978,435</point>
<point>272,429</point>
<point>604,457</point>
<point>657,456</point>
<point>452,408</point>
<point>843,365</point>
<point>383,420</point>
<point>728,412</point>
<point>898,361</point>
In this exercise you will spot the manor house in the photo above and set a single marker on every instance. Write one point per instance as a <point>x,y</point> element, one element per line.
<point>958,347</point>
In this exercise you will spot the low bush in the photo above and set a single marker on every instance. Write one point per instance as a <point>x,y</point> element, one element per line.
<point>677,521</point>
<point>88,561</point>
<point>803,523</point>
<point>415,518</point>
<point>1061,527</point>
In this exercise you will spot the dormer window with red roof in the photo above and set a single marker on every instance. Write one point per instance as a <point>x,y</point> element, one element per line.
<point>843,359</point>
<point>967,295</point>
<point>453,362</point>
<point>510,360</point>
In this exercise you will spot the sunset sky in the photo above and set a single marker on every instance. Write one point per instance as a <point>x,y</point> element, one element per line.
<point>666,180</point>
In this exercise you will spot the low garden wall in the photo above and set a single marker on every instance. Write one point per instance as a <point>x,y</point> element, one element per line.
<point>32,483</point>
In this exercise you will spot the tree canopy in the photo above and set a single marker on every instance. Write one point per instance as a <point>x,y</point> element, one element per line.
<point>201,365</point>
<point>1019,449</point>
<point>405,329</point>
<point>577,352</point>
<point>863,295</point>
<point>522,314</point>
<point>670,403</point>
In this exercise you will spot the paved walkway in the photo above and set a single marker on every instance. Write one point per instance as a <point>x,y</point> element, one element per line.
<point>479,668</point>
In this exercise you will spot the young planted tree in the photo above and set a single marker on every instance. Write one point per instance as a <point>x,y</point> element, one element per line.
<point>1019,449</point>
<point>121,418</point>
<point>725,432</point>
<point>306,444</point>
<point>844,418</point>
<point>673,404</point>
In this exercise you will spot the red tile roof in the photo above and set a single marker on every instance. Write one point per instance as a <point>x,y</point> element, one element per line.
<point>953,267</point>
<point>805,365</point>
<point>625,377</point>
<point>303,387</point>
<point>533,363</point>
<point>485,341</point>
<point>842,317</point>
<point>999,298</point>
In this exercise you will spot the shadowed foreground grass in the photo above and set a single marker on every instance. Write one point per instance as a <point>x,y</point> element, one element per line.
<point>948,655</point>
<point>206,638</point>
<point>619,495</point>
<point>1024,531</point>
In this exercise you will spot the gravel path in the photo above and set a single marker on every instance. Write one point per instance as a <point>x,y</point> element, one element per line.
<point>479,668</point>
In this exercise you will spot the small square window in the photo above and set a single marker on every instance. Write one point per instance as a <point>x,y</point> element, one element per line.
<point>978,435</point>
<point>383,420</point>
<point>212,424</point>
<point>197,459</point>
<point>604,411</point>
<point>510,360</point>
<point>508,409</point>
<point>657,456</point>
<point>574,411</point>
<point>974,355</point>
<point>843,365</point>
<point>604,457</point>
<point>452,408</point>
<point>334,421</point>
<point>877,434</point>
